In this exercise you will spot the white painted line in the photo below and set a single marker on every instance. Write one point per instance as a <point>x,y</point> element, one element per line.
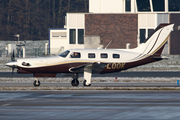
<point>6,105</point>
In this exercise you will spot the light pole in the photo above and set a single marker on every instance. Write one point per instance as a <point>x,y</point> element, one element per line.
<point>19,46</point>
<point>17,35</point>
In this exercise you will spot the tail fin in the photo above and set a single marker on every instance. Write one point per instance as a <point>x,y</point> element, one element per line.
<point>156,42</point>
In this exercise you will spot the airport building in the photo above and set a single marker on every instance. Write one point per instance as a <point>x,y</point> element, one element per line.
<point>117,24</point>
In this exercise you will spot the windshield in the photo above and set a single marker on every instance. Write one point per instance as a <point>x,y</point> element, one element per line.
<point>64,54</point>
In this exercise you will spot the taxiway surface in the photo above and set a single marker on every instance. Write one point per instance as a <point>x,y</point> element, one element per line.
<point>118,74</point>
<point>84,105</point>
<point>94,84</point>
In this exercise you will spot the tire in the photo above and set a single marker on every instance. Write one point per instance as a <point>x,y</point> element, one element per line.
<point>75,82</point>
<point>84,83</point>
<point>36,85</point>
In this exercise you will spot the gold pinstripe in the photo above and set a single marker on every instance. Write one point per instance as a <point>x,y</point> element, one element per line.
<point>156,49</point>
<point>160,45</point>
<point>71,62</point>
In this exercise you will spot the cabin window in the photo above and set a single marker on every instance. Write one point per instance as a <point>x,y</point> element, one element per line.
<point>116,56</point>
<point>64,54</point>
<point>104,55</point>
<point>91,55</point>
<point>76,55</point>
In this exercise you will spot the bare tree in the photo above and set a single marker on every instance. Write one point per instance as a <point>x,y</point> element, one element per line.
<point>32,18</point>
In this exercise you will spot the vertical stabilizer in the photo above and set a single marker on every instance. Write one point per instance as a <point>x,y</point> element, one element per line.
<point>155,43</point>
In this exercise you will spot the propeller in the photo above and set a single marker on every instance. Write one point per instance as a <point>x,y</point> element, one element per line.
<point>13,59</point>
<point>13,56</point>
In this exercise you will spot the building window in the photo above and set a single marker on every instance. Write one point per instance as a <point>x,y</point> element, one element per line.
<point>116,56</point>
<point>143,5</point>
<point>80,36</point>
<point>104,55</point>
<point>128,5</point>
<point>59,34</point>
<point>142,35</point>
<point>91,55</point>
<point>145,34</point>
<point>174,5</point>
<point>150,32</point>
<point>72,36</point>
<point>158,5</point>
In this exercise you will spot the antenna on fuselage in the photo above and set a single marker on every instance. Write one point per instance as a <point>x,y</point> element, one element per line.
<point>108,44</point>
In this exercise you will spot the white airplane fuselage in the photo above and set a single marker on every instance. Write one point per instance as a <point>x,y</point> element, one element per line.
<point>90,61</point>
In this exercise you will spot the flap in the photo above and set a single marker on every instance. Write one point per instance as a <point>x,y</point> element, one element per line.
<point>79,68</point>
<point>98,67</point>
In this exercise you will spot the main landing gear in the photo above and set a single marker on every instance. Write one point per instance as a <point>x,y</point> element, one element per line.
<point>84,83</point>
<point>75,81</point>
<point>36,82</point>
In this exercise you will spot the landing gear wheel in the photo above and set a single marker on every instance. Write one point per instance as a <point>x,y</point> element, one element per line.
<point>75,82</point>
<point>36,83</point>
<point>84,83</point>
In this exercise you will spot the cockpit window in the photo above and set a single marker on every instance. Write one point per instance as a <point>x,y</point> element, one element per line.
<point>75,55</point>
<point>65,53</point>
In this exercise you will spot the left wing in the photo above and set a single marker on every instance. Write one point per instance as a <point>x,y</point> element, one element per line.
<point>88,69</point>
<point>94,66</point>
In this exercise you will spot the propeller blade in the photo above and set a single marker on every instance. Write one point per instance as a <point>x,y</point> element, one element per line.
<point>12,70</point>
<point>12,56</point>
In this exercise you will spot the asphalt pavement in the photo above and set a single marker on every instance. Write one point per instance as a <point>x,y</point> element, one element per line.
<point>118,74</point>
<point>89,105</point>
<point>94,84</point>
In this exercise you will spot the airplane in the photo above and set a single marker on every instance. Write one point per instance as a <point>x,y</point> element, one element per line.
<point>89,61</point>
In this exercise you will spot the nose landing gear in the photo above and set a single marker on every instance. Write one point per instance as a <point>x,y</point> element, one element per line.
<point>75,81</point>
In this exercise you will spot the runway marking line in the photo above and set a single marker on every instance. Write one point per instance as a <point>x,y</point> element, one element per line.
<point>5,104</point>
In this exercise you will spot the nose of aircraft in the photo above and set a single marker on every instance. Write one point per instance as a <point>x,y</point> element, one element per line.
<point>11,64</point>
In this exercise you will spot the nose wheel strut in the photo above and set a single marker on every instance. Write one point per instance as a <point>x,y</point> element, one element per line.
<point>75,81</point>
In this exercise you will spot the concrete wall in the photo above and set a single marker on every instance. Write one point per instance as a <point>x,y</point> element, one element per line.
<point>106,6</point>
<point>75,21</point>
<point>58,40</point>
<point>110,6</point>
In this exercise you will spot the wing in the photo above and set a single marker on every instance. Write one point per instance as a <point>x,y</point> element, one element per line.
<point>88,69</point>
<point>94,67</point>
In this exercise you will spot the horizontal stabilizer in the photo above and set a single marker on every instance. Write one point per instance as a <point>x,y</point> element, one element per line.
<point>160,57</point>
